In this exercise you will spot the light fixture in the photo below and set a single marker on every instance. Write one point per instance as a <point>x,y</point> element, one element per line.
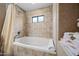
<point>77,22</point>
<point>33,3</point>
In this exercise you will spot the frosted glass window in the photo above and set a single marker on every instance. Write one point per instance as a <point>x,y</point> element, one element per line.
<point>34,19</point>
<point>40,18</point>
<point>37,19</point>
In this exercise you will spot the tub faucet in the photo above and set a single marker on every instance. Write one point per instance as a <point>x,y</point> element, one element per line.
<point>15,37</point>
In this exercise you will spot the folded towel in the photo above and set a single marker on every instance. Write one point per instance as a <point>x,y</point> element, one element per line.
<point>73,50</point>
<point>73,47</point>
<point>51,45</point>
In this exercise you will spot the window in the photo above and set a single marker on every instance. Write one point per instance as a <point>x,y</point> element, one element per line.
<point>40,18</point>
<point>37,19</point>
<point>34,19</point>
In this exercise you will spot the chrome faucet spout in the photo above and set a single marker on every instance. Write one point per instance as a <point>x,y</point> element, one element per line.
<point>15,37</point>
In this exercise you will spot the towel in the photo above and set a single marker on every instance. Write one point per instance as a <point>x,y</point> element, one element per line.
<point>51,45</point>
<point>73,47</point>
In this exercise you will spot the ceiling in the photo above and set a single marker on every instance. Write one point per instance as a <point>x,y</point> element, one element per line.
<point>32,6</point>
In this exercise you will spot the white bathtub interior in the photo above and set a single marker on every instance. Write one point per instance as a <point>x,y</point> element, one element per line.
<point>42,44</point>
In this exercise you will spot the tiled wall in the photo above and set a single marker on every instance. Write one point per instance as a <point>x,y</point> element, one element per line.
<point>18,23</point>
<point>42,29</point>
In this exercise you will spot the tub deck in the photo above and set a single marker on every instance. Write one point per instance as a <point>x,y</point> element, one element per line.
<point>29,47</point>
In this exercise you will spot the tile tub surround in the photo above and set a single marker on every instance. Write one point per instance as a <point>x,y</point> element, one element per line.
<point>41,29</point>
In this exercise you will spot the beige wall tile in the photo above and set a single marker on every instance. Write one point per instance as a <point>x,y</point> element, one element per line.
<point>42,29</point>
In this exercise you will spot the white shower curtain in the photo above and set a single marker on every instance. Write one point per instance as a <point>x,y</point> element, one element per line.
<point>7,32</point>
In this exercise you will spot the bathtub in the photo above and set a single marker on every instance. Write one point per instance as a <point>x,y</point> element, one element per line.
<point>34,46</point>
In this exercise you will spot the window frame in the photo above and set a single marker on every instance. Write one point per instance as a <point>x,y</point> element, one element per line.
<point>37,18</point>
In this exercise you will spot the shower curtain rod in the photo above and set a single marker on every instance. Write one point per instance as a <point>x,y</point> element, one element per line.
<point>17,6</point>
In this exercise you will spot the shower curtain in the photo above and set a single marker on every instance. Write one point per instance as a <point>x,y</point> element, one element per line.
<point>7,32</point>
